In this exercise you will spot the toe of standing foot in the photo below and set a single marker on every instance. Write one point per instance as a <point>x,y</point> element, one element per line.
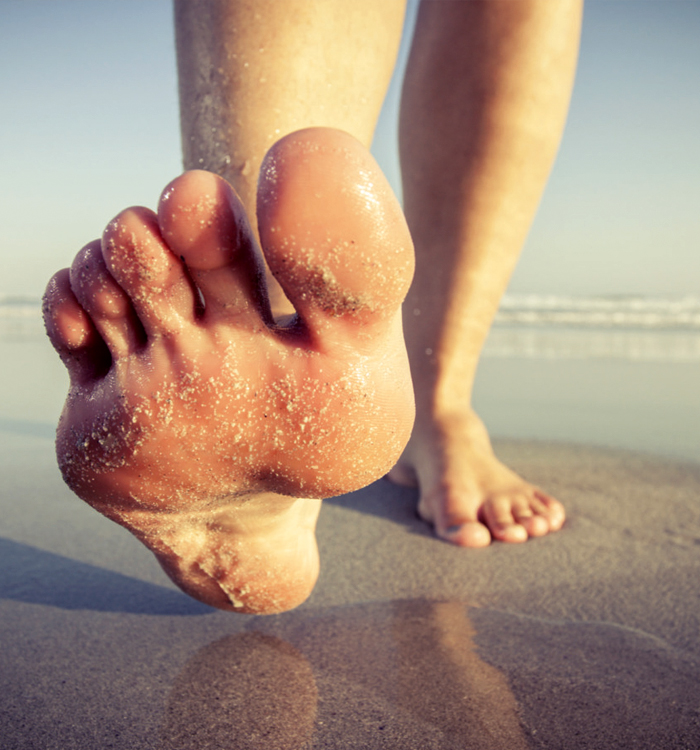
<point>469,534</point>
<point>466,493</point>
<point>477,519</point>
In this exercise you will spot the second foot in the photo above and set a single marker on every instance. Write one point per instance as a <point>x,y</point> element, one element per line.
<point>466,493</point>
<point>197,422</point>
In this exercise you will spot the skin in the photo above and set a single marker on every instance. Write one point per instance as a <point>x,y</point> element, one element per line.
<point>253,71</point>
<point>484,104</point>
<point>197,422</point>
<point>209,422</point>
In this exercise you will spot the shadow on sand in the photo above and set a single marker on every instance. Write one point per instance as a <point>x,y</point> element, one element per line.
<point>35,576</point>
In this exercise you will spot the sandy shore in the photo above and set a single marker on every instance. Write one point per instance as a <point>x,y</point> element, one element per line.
<point>586,639</point>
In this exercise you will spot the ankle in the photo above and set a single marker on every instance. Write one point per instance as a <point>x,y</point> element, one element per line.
<point>445,396</point>
<point>452,424</point>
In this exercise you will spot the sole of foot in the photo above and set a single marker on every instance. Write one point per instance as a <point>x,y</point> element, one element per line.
<point>195,420</point>
<point>466,493</point>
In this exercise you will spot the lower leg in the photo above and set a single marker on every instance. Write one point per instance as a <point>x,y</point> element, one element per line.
<point>193,419</point>
<point>484,104</point>
<point>253,71</point>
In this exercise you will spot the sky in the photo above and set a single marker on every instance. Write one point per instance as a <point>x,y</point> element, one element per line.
<point>89,125</point>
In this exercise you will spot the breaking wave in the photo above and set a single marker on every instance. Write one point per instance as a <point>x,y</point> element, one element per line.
<point>681,313</point>
<point>650,329</point>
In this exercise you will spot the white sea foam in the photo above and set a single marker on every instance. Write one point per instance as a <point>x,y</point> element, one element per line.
<point>600,312</point>
<point>593,343</point>
<point>19,307</point>
<point>650,329</point>
<point>20,318</point>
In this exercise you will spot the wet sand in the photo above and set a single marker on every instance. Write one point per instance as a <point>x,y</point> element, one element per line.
<point>585,639</point>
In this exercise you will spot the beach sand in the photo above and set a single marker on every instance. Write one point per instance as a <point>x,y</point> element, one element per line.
<point>584,639</point>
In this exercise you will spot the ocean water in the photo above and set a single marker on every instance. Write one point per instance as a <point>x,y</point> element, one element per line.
<point>651,329</point>
<point>622,372</point>
<point>644,329</point>
<point>618,371</point>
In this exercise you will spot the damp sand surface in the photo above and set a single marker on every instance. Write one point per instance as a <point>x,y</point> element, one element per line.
<point>583,639</point>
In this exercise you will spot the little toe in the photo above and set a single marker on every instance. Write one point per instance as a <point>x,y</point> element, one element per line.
<point>71,331</point>
<point>550,509</point>
<point>332,231</point>
<point>204,223</point>
<point>154,279</point>
<point>106,303</point>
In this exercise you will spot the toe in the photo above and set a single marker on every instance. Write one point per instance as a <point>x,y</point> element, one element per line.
<point>106,303</point>
<point>71,331</point>
<point>454,520</point>
<point>551,510</point>
<point>467,534</point>
<point>502,513</point>
<point>204,223</point>
<point>526,510</point>
<point>324,208</point>
<point>515,516</point>
<point>534,525</point>
<point>154,279</point>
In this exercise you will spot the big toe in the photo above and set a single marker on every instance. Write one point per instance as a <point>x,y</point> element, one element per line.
<point>332,231</point>
<point>467,534</point>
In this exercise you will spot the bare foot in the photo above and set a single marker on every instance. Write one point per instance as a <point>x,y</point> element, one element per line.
<point>193,419</point>
<point>466,492</point>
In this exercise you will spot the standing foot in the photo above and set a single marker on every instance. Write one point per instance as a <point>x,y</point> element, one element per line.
<point>469,496</point>
<point>197,422</point>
